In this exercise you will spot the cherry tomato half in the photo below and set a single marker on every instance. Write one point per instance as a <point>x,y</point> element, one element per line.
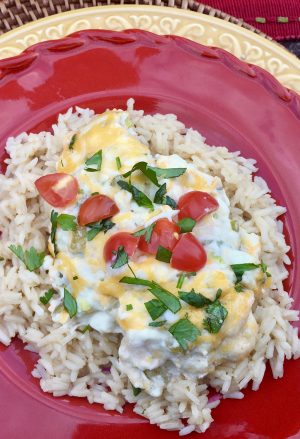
<point>196,204</point>
<point>96,208</point>
<point>128,241</point>
<point>162,234</point>
<point>57,189</point>
<point>188,254</point>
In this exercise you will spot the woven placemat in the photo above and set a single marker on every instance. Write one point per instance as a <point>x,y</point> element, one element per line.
<point>15,13</point>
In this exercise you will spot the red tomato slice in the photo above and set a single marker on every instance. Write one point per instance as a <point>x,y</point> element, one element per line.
<point>188,254</point>
<point>162,234</point>
<point>128,241</point>
<point>196,204</point>
<point>57,189</point>
<point>96,208</point>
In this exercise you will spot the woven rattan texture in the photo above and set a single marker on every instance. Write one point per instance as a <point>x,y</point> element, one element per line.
<point>14,13</point>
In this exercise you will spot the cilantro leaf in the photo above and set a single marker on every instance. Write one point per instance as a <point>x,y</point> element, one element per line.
<point>67,222</point>
<point>135,281</point>
<point>53,219</point>
<point>97,227</point>
<point>157,324</point>
<point>264,269</point>
<point>129,307</point>
<point>85,329</point>
<point>93,164</point>
<point>180,280</point>
<point>168,172</point>
<point>47,296</point>
<point>146,170</point>
<point>163,254</point>
<point>194,299</point>
<point>121,257</point>
<point>136,390</point>
<point>168,299</point>
<point>155,308</point>
<point>184,331</point>
<point>216,315</point>
<point>239,269</point>
<point>139,197</point>
<point>70,303</point>
<point>186,225</point>
<point>1,259</point>
<point>147,231</point>
<point>160,197</point>
<point>31,258</point>
<point>72,142</point>
<point>118,163</point>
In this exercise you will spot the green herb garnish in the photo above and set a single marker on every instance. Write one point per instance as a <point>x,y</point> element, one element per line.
<point>129,307</point>
<point>180,280</point>
<point>94,193</point>
<point>216,315</point>
<point>136,390</point>
<point>157,324</point>
<point>147,231</point>
<point>72,142</point>
<point>121,257</point>
<point>168,172</point>
<point>145,169</point>
<point>31,258</point>
<point>160,197</point>
<point>155,308</point>
<point>67,222</point>
<point>1,259</point>
<point>194,299</point>
<point>240,269</point>
<point>238,288</point>
<point>85,329</point>
<point>163,254</point>
<point>70,303</point>
<point>264,269</point>
<point>100,226</point>
<point>47,296</point>
<point>234,225</point>
<point>75,277</point>
<point>168,299</point>
<point>186,225</point>
<point>135,281</point>
<point>184,331</point>
<point>118,163</point>
<point>139,197</point>
<point>53,219</point>
<point>93,164</point>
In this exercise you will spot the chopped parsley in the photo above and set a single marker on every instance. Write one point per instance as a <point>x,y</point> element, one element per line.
<point>157,324</point>
<point>118,163</point>
<point>264,269</point>
<point>97,227</point>
<point>139,197</point>
<point>121,257</point>
<point>155,308</point>
<point>184,331</point>
<point>75,277</point>
<point>93,164</point>
<point>216,314</point>
<point>163,254</point>
<point>160,197</point>
<point>147,231</point>
<point>72,142</point>
<point>194,299</point>
<point>47,296</point>
<point>129,307</point>
<point>186,225</point>
<point>69,303</point>
<point>1,259</point>
<point>31,258</point>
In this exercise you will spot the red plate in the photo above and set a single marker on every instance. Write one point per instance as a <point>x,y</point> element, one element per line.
<point>232,104</point>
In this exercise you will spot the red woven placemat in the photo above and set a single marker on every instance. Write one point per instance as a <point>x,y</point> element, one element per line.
<point>278,18</point>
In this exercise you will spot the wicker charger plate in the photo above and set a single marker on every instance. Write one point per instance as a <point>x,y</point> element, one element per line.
<point>204,28</point>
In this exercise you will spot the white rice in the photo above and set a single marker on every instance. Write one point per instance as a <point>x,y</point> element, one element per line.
<point>76,364</point>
